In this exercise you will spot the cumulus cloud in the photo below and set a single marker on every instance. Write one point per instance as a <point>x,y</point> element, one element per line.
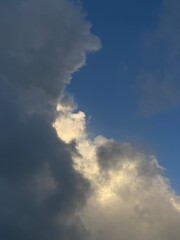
<point>69,126</point>
<point>159,78</point>
<point>130,196</point>
<point>42,44</point>
<point>56,182</point>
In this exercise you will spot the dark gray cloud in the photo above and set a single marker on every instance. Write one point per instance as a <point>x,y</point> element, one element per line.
<point>40,190</point>
<point>159,78</point>
<point>111,154</point>
<point>42,44</point>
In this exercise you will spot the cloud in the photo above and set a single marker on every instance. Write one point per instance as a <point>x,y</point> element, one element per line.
<point>42,44</point>
<point>130,196</point>
<point>69,125</point>
<point>55,181</point>
<point>159,77</point>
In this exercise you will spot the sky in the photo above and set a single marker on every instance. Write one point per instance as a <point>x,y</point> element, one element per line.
<point>125,105</point>
<point>89,109</point>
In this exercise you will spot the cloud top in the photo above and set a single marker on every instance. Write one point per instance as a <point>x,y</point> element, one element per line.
<point>43,42</point>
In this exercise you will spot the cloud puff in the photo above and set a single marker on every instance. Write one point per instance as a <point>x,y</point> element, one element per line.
<point>159,77</point>
<point>42,44</point>
<point>130,196</point>
<point>69,126</point>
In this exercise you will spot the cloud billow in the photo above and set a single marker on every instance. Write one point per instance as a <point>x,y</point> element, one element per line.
<point>56,182</point>
<point>131,198</point>
<point>42,44</point>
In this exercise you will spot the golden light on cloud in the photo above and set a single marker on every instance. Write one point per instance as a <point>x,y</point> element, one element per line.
<point>128,192</point>
<point>70,125</point>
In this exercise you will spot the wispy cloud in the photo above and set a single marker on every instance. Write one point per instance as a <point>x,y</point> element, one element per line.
<point>159,77</point>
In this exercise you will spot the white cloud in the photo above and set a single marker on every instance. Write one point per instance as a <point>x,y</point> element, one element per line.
<point>70,126</point>
<point>130,198</point>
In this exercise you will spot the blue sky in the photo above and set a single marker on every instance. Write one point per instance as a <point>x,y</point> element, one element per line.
<point>109,88</point>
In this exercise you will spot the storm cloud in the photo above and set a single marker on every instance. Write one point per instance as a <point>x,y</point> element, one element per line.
<point>55,181</point>
<point>42,44</point>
